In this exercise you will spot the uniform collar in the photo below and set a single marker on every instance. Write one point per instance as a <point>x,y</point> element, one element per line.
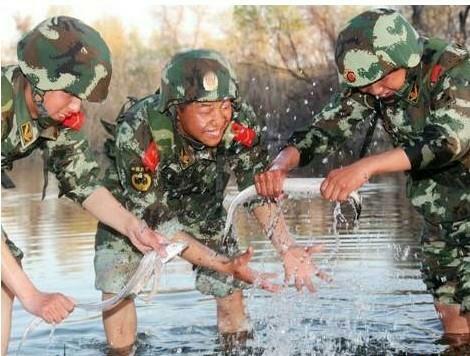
<point>26,126</point>
<point>411,90</point>
<point>189,150</point>
<point>29,130</point>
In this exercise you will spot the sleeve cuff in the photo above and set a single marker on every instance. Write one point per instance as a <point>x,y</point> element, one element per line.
<point>414,155</point>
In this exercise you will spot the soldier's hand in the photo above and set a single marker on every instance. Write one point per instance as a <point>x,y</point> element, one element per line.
<point>146,239</point>
<point>269,184</point>
<point>238,267</point>
<point>298,265</point>
<point>53,308</point>
<point>340,182</point>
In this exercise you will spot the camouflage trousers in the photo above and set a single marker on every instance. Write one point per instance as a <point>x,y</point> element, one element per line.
<point>116,260</point>
<point>446,262</point>
<point>15,250</point>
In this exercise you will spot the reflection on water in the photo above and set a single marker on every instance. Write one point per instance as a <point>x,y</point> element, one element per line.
<point>376,304</point>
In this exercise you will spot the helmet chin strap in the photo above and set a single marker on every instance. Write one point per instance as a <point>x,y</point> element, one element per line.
<point>193,142</point>
<point>38,98</point>
<point>44,120</point>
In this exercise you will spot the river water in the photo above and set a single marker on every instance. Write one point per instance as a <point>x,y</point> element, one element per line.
<point>375,305</point>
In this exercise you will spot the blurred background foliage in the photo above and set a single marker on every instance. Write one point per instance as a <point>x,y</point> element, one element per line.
<point>283,55</point>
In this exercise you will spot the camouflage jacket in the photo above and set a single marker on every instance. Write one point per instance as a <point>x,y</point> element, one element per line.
<point>188,180</point>
<point>69,158</point>
<point>429,119</point>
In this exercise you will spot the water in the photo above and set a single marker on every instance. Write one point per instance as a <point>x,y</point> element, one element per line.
<point>376,304</point>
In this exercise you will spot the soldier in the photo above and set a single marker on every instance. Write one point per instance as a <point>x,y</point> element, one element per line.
<point>173,154</point>
<point>419,89</point>
<point>61,62</point>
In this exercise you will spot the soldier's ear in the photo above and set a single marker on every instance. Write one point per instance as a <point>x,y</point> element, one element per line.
<point>180,108</point>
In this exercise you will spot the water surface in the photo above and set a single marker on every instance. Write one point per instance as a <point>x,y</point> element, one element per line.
<point>376,304</point>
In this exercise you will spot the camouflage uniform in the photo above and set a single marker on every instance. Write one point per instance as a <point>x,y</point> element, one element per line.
<point>429,118</point>
<point>185,190</point>
<point>61,53</point>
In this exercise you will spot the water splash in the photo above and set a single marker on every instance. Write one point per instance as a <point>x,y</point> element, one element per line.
<point>149,267</point>
<point>293,187</point>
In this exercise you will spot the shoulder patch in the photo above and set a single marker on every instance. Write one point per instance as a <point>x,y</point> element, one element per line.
<point>26,133</point>
<point>141,179</point>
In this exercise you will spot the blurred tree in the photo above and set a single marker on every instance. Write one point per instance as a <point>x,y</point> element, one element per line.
<point>23,23</point>
<point>283,55</point>
<point>445,21</point>
<point>463,16</point>
<point>180,27</point>
<point>135,73</point>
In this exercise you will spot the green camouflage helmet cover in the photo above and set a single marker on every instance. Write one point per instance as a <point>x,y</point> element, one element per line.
<point>197,75</point>
<point>63,53</point>
<point>375,43</point>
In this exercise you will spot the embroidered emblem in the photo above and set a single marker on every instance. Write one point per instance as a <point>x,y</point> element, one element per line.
<point>210,81</point>
<point>186,158</point>
<point>414,94</point>
<point>350,76</point>
<point>27,133</point>
<point>140,179</point>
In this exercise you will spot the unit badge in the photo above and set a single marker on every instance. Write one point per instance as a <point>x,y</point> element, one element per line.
<point>26,133</point>
<point>414,94</point>
<point>186,158</point>
<point>350,76</point>
<point>210,81</point>
<point>140,179</point>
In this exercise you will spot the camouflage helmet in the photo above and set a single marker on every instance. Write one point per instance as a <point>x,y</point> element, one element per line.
<point>63,53</point>
<point>375,43</point>
<point>196,75</point>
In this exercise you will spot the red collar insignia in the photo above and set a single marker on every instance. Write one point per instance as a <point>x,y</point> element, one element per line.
<point>243,134</point>
<point>151,157</point>
<point>74,121</point>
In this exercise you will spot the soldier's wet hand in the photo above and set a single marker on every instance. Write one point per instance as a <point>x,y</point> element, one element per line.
<point>269,184</point>
<point>340,182</point>
<point>298,265</point>
<point>146,239</point>
<point>53,308</point>
<point>238,267</point>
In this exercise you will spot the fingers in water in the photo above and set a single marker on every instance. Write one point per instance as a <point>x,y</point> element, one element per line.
<point>309,285</point>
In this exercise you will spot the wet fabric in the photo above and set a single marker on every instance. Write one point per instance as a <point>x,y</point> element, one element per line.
<point>68,152</point>
<point>178,188</point>
<point>15,250</point>
<point>69,156</point>
<point>429,119</point>
<point>446,262</point>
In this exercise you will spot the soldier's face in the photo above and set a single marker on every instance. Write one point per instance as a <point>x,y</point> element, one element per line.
<point>205,121</point>
<point>60,104</point>
<point>387,86</point>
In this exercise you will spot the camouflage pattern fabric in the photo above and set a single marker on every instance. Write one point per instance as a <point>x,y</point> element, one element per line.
<point>374,44</point>
<point>184,193</point>
<point>15,250</point>
<point>70,158</point>
<point>430,121</point>
<point>197,75</point>
<point>429,118</point>
<point>446,262</point>
<point>63,53</point>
